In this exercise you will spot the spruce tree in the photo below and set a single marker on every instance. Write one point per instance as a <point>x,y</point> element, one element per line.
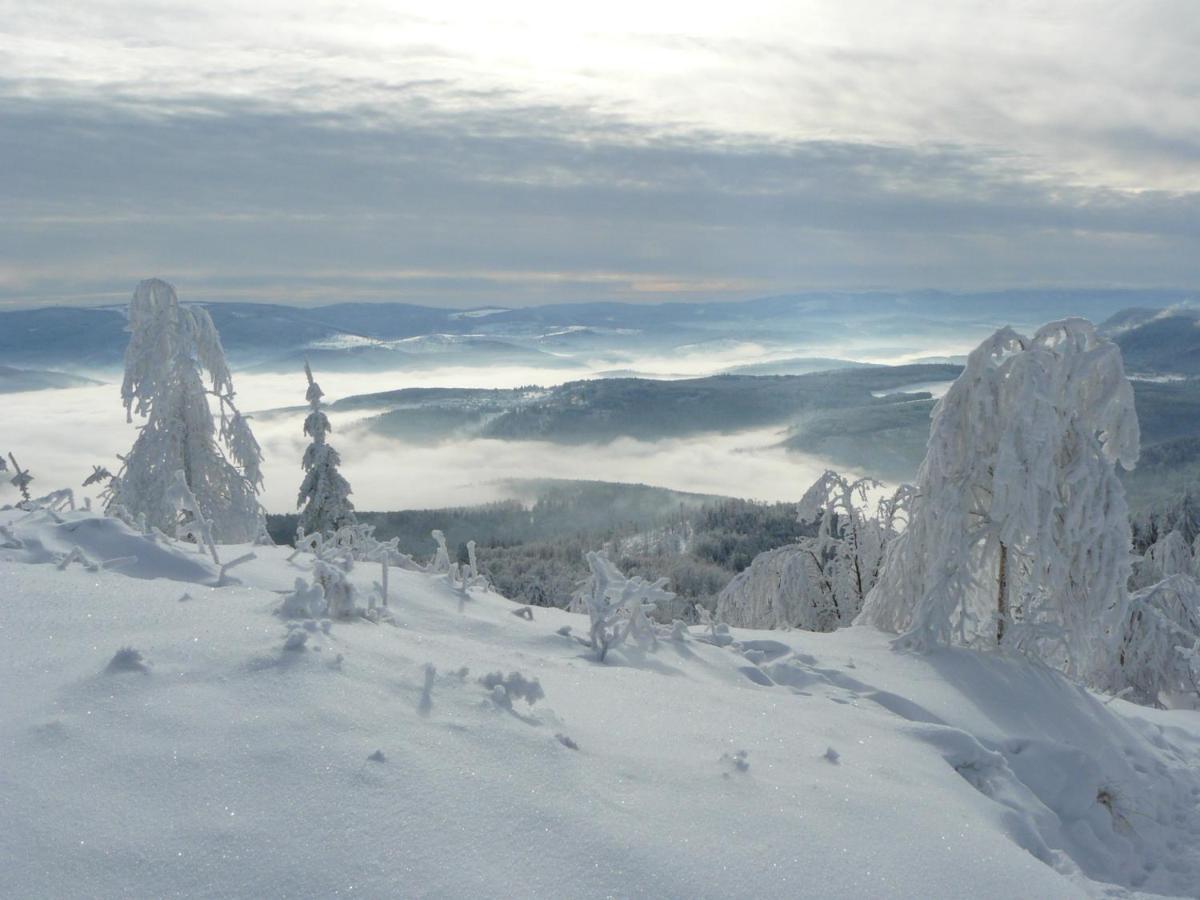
<point>324,493</point>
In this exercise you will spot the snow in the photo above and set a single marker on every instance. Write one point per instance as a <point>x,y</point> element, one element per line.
<point>159,738</point>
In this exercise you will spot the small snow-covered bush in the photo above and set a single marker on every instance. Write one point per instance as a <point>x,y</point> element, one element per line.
<point>341,597</point>
<point>617,605</point>
<point>306,601</point>
<point>514,686</point>
<point>350,544</point>
<point>441,560</point>
<point>127,659</point>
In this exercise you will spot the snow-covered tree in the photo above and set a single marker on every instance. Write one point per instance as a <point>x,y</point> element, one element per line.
<point>1160,646</point>
<point>1019,533</point>
<point>1169,555</point>
<point>781,588</point>
<point>324,493</point>
<point>170,347</point>
<point>820,582</point>
<point>1180,511</point>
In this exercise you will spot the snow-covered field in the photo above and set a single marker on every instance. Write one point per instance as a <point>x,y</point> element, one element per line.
<point>215,762</point>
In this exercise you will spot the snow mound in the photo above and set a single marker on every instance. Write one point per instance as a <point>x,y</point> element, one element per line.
<point>48,537</point>
<point>262,756</point>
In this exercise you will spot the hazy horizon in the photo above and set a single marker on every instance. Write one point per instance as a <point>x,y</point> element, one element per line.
<point>121,301</point>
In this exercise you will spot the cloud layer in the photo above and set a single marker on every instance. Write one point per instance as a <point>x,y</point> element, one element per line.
<point>309,153</point>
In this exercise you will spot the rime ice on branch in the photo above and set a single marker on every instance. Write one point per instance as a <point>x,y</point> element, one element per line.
<point>324,493</point>
<point>170,347</point>
<point>1019,534</point>
<point>21,480</point>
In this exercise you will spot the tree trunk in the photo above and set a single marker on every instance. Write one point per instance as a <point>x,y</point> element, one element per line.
<point>1002,594</point>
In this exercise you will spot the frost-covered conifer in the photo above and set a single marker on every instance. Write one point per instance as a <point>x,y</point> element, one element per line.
<point>1019,533</point>
<point>170,347</point>
<point>324,493</point>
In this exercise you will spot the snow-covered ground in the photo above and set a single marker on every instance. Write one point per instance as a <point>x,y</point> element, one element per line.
<point>214,762</point>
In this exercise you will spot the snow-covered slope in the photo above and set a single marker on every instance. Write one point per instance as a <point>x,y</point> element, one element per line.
<point>219,763</point>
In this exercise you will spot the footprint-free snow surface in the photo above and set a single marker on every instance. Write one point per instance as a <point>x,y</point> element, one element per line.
<point>163,737</point>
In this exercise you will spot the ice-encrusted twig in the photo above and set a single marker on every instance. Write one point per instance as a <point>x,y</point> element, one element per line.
<point>225,567</point>
<point>78,556</point>
<point>10,540</point>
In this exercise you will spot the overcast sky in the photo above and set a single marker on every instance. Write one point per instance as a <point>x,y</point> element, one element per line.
<point>463,153</point>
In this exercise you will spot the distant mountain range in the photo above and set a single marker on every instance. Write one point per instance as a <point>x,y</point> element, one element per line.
<point>1158,341</point>
<point>601,410</point>
<point>799,329</point>
<point>13,380</point>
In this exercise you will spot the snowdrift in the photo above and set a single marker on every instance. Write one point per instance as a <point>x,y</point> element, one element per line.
<point>47,537</point>
<point>164,737</point>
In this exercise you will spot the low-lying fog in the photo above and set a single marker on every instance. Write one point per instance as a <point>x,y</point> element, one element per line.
<point>60,434</point>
